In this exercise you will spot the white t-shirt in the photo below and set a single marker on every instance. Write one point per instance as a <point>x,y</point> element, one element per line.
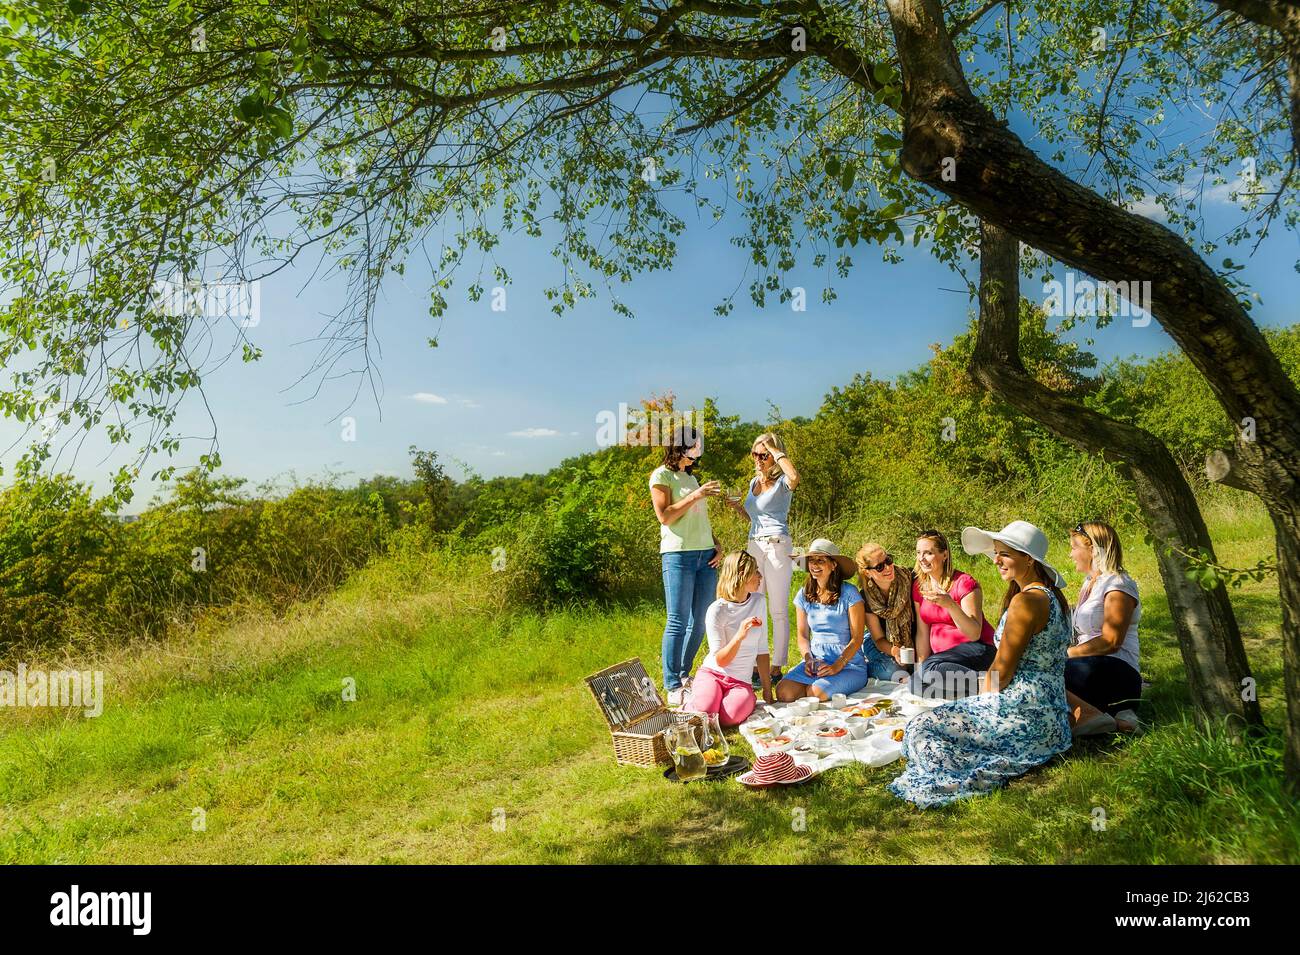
<point>722,623</point>
<point>1089,614</point>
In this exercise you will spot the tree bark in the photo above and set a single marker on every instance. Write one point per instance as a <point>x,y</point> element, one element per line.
<point>1003,182</point>
<point>1208,636</point>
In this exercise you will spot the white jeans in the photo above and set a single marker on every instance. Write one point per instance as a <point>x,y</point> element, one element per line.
<point>777,567</point>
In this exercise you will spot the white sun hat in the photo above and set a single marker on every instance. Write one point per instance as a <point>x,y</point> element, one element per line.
<point>1018,535</point>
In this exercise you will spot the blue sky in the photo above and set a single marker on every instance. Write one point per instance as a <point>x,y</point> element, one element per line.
<point>517,391</point>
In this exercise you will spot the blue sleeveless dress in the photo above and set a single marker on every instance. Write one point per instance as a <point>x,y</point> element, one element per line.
<point>976,744</point>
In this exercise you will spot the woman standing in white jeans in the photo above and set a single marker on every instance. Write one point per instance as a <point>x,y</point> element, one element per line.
<point>767,507</point>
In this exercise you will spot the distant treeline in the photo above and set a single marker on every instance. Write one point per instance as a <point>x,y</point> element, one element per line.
<point>883,458</point>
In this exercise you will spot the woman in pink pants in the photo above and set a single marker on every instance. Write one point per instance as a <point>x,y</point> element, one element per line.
<point>736,628</point>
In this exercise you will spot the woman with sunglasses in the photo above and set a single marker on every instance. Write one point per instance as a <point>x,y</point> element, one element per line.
<point>953,640</point>
<point>690,555</point>
<point>767,508</point>
<point>1102,679</point>
<point>891,615</point>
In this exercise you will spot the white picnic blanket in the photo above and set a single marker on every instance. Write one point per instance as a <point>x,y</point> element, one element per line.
<point>877,748</point>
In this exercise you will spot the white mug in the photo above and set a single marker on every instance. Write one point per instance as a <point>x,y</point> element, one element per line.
<point>906,655</point>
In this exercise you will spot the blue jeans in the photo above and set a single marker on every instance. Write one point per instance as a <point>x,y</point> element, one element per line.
<point>880,665</point>
<point>690,585</point>
<point>951,673</point>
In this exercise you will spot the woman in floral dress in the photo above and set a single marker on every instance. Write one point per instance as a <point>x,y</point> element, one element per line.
<point>1019,719</point>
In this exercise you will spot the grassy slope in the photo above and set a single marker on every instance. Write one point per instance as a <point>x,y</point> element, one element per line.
<point>460,712</point>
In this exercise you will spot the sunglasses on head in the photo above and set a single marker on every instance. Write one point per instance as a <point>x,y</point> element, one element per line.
<point>887,562</point>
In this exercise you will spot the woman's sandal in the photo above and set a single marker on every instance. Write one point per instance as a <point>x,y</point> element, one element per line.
<point>1099,725</point>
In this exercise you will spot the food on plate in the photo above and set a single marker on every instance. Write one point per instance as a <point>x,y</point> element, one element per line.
<point>761,730</point>
<point>833,732</point>
<point>774,741</point>
<point>897,735</point>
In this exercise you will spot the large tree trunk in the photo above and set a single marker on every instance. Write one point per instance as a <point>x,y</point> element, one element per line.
<point>1207,631</point>
<point>946,128</point>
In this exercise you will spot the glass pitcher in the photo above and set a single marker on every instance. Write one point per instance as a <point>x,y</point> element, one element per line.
<point>685,751</point>
<point>713,745</point>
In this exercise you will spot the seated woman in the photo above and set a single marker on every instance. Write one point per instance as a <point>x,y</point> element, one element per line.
<point>736,628</point>
<point>1018,720</point>
<point>953,640</point>
<point>1102,679</point>
<point>891,615</point>
<point>830,620</point>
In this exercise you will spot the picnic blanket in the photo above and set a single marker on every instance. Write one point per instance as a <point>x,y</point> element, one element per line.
<point>820,753</point>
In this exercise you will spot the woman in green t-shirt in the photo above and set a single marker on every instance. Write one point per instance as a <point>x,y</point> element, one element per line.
<point>690,555</point>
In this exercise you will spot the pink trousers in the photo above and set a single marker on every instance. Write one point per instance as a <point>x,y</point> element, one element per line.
<point>714,692</point>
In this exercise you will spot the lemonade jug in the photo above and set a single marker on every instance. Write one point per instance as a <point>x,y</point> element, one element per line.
<point>713,745</point>
<point>685,750</point>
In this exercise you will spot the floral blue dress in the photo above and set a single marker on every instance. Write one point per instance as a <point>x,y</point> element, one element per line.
<point>973,745</point>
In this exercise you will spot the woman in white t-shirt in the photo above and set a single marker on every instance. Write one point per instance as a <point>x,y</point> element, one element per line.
<point>1102,681</point>
<point>736,628</point>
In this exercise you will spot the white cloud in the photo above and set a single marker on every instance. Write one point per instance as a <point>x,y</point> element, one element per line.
<point>534,433</point>
<point>498,454</point>
<point>428,398</point>
<point>1223,192</point>
<point>1148,208</point>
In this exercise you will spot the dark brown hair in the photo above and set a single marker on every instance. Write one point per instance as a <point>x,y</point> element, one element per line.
<point>1045,578</point>
<point>810,588</point>
<point>684,438</point>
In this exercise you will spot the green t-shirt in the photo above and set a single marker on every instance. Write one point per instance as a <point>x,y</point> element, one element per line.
<point>691,531</point>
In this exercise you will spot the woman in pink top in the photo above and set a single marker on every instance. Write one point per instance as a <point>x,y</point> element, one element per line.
<point>954,642</point>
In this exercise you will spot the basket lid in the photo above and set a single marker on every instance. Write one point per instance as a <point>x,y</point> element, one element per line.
<point>625,693</point>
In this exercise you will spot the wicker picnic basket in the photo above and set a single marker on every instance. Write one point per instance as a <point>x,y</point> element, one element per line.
<point>636,714</point>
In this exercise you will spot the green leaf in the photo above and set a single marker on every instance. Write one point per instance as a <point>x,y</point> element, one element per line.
<point>882,73</point>
<point>833,166</point>
<point>250,107</point>
<point>575,36</point>
<point>846,179</point>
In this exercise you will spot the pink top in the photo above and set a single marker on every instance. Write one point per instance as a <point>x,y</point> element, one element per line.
<point>944,634</point>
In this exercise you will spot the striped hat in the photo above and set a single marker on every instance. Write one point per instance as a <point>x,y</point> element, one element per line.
<point>775,768</point>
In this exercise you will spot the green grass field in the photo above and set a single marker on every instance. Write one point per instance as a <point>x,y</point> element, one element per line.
<point>463,716</point>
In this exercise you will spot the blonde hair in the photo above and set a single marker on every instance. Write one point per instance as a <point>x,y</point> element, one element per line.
<point>865,551</point>
<point>1107,553</point>
<point>773,470</point>
<point>737,568</point>
<point>941,542</point>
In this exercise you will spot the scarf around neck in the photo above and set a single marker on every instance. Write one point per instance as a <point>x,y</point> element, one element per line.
<point>895,608</point>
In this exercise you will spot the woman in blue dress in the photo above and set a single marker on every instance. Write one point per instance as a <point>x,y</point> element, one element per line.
<point>831,620</point>
<point>1019,719</point>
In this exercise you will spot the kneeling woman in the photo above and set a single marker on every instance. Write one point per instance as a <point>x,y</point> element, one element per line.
<point>736,628</point>
<point>1018,720</point>
<point>831,618</point>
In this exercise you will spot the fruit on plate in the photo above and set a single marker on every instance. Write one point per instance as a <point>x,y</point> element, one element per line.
<point>897,735</point>
<point>775,741</point>
<point>833,732</point>
<point>762,730</point>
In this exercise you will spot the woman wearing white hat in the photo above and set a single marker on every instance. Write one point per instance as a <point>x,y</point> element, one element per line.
<point>1019,719</point>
